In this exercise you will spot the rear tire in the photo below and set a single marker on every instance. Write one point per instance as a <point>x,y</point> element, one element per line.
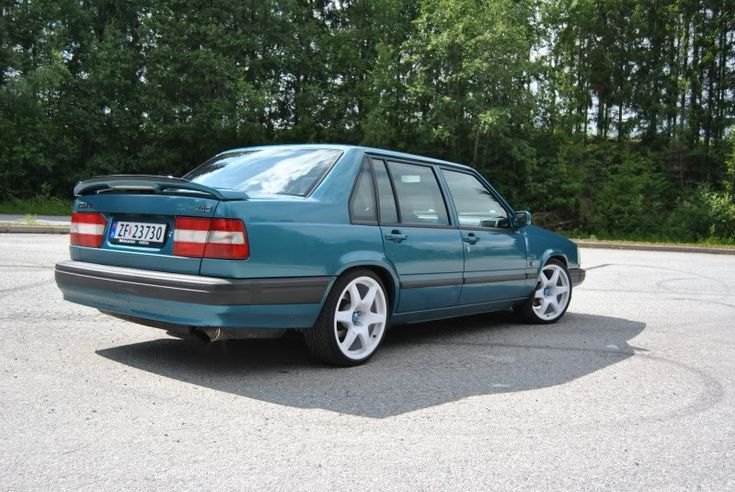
<point>551,296</point>
<point>353,320</point>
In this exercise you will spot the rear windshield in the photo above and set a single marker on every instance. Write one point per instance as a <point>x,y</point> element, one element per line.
<point>270,171</point>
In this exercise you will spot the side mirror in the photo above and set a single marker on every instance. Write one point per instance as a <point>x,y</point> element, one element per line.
<point>522,218</point>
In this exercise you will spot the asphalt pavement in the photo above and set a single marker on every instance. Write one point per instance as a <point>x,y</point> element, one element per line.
<point>634,389</point>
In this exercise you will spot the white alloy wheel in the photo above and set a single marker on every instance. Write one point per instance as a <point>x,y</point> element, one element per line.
<point>360,318</point>
<point>553,291</point>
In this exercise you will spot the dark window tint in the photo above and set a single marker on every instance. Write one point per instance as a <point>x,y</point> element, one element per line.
<point>362,203</point>
<point>419,197</point>
<point>275,171</point>
<point>388,213</point>
<point>476,206</point>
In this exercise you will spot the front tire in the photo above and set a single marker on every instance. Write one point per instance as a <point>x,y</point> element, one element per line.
<point>353,320</point>
<point>551,297</point>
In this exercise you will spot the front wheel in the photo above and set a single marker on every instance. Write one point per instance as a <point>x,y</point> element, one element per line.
<point>353,321</point>
<point>551,297</point>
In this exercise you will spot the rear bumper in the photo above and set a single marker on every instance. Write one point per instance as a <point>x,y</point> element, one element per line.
<point>577,275</point>
<point>194,300</point>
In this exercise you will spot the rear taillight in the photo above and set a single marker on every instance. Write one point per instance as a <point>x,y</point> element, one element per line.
<point>87,229</point>
<point>227,239</point>
<point>210,238</point>
<point>190,236</point>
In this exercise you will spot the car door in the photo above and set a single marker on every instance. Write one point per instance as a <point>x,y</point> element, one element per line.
<point>494,253</point>
<point>418,238</point>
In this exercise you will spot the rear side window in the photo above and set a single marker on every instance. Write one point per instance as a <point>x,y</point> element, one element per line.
<point>362,203</point>
<point>275,171</point>
<point>388,212</point>
<point>420,200</point>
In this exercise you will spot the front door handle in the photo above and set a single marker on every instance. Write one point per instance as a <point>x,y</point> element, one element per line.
<point>396,236</point>
<point>470,238</point>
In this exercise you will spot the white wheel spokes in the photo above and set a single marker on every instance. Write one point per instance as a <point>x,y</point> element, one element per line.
<point>355,297</point>
<point>360,318</point>
<point>554,280</point>
<point>363,334</point>
<point>343,316</point>
<point>559,289</point>
<point>349,340</point>
<point>552,292</point>
<point>369,298</point>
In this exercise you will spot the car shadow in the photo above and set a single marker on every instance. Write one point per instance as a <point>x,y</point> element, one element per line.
<point>418,366</point>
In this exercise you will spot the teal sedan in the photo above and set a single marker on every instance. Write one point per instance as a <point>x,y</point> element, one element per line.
<point>337,242</point>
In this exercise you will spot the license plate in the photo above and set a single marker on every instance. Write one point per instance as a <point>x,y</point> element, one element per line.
<point>138,233</point>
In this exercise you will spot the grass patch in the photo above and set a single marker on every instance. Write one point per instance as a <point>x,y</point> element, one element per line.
<point>30,207</point>
<point>652,239</point>
<point>30,219</point>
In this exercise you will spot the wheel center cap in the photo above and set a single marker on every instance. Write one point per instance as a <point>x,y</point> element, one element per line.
<point>547,291</point>
<point>355,316</point>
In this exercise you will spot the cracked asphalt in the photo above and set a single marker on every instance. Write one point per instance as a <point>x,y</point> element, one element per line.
<point>634,389</point>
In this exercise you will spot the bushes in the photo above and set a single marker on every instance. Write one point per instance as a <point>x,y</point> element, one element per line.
<point>628,198</point>
<point>600,188</point>
<point>553,190</point>
<point>702,214</point>
<point>623,192</point>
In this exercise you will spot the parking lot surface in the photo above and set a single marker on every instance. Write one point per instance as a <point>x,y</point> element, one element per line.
<point>633,389</point>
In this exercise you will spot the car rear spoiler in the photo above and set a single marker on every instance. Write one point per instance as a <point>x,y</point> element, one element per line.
<point>155,184</point>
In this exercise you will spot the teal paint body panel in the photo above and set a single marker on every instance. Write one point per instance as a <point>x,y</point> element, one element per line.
<point>425,256</point>
<point>133,258</point>
<point>200,315</point>
<point>455,311</point>
<point>431,273</point>
<point>495,267</point>
<point>543,244</point>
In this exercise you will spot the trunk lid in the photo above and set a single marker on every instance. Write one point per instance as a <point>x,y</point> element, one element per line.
<point>140,213</point>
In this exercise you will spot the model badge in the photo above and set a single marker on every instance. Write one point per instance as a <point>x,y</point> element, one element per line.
<point>203,208</point>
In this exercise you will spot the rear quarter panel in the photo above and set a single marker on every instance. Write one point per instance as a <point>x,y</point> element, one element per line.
<point>294,237</point>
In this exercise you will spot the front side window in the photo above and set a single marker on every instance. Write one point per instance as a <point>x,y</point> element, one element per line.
<point>420,199</point>
<point>476,206</point>
<point>276,171</point>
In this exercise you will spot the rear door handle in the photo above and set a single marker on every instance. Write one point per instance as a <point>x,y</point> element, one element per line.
<point>470,238</point>
<point>396,236</point>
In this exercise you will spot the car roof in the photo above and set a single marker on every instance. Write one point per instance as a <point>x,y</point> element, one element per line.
<point>344,148</point>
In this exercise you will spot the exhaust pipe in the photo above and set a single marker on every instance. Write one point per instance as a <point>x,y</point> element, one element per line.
<point>218,334</point>
<point>187,333</point>
<point>212,334</point>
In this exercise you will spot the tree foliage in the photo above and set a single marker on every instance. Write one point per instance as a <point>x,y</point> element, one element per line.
<point>598,114</point>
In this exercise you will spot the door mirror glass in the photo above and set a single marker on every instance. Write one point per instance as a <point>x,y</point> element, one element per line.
<point>522,218</point>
